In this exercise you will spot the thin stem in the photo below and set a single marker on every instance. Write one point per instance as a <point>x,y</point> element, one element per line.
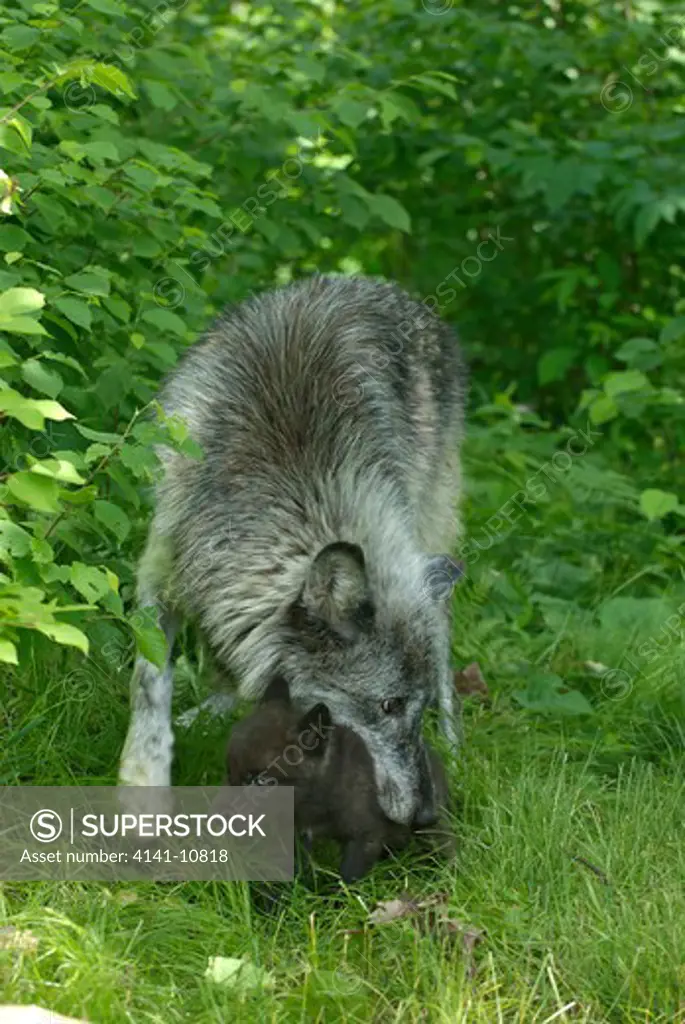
<point>17,106</point>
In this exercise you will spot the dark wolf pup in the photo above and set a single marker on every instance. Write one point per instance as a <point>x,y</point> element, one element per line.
<point>330,415</point>
<point>331,773</point>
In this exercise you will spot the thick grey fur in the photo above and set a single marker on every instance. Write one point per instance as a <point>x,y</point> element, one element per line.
<point>330,413</point>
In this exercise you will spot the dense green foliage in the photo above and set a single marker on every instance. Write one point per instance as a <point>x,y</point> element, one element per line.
<point>161,162</point>
<point>520,169</point>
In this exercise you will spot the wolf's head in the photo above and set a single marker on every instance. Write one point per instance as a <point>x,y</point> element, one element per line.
<point>276,745</point>
<point>374,661</point>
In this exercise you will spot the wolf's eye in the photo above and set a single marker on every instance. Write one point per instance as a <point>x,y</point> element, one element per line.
<point>257,779</point>
<point>393,705</point>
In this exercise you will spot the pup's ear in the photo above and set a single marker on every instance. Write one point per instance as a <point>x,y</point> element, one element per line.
<point>440,575</point>
<point>313,730</point>
<point>277,692</point>
<point>336,589</point>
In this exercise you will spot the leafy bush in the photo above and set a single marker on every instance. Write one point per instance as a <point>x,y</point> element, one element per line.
<point>520,168</point>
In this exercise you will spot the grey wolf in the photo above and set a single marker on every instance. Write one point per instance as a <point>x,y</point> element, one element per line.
<point>313,538</point>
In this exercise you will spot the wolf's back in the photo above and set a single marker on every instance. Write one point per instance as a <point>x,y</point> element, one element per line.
<point>328,410</point>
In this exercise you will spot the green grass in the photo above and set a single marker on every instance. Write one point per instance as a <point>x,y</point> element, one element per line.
<point>542,800</point>
<point>556,932</point>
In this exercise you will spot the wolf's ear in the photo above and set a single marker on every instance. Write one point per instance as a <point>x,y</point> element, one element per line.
<point>440,575</point>
<point>336,589</point>
<point>313,730</point>
<point>277,691</point>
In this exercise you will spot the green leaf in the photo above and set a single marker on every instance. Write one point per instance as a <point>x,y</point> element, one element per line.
<point>112,79</point>
<point>656,504</point>
<point>673,330</point>
<point>104,198</point>
<point>350,111</point>
<point>389,210</point>
<point>8,653</point>
<point>20,301</point>
<point>22,325</point>
<point>75,309</point>
<point>92,583</point>
<point>74,150</point>
<point>11,140</point>
<point>650,215</point>
<point>26,410</point>
<point>13,238</point>
<point>100,152</point>
<point>14,540</point>
<point>23,128</point>
<point>354,212</point>
<point>394,105</point>
<point>62,633</point>
<point>42,551</point>
<point>114,518</point>
<point>96,452</point>
<point>39,377</point>
<point>104,111</point>
<point>58,469</point>
<point>144,177</point>
<point>436,83</point>
<point>547,693</point>
<point>553,365</point>
<point>161,97</point>
<point>602,410</point>
<point>118,307</point>
<point>89,281</point>
<point>625,381</point>
<point>52,410</point>
<point>114,384</point>
<point>98,435</point>
<point>108,7</point>
<point>81,497</point>
<point>166,321</point>
<point>239,974</point>
<point>113,580</point>
<point>19,37</point>
<point>141,461</point>
<point>640,353</point>
<point>151,642</point>
<point>39,492</point>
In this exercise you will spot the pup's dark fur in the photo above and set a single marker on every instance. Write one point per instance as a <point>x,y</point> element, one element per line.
<point>331,772</point>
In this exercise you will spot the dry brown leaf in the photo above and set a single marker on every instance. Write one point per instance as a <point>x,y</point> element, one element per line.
<point>15,938</point>
<point>391,910</point>
<point>124,898</point>
<point>404,906</point>
<point>469,682</point>
<point>430,916</point>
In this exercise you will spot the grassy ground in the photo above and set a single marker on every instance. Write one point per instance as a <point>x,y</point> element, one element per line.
<point>571,854</point>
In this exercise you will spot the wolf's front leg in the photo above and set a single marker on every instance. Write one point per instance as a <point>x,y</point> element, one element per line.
<point>146,758</point>
<point>145,768</point>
